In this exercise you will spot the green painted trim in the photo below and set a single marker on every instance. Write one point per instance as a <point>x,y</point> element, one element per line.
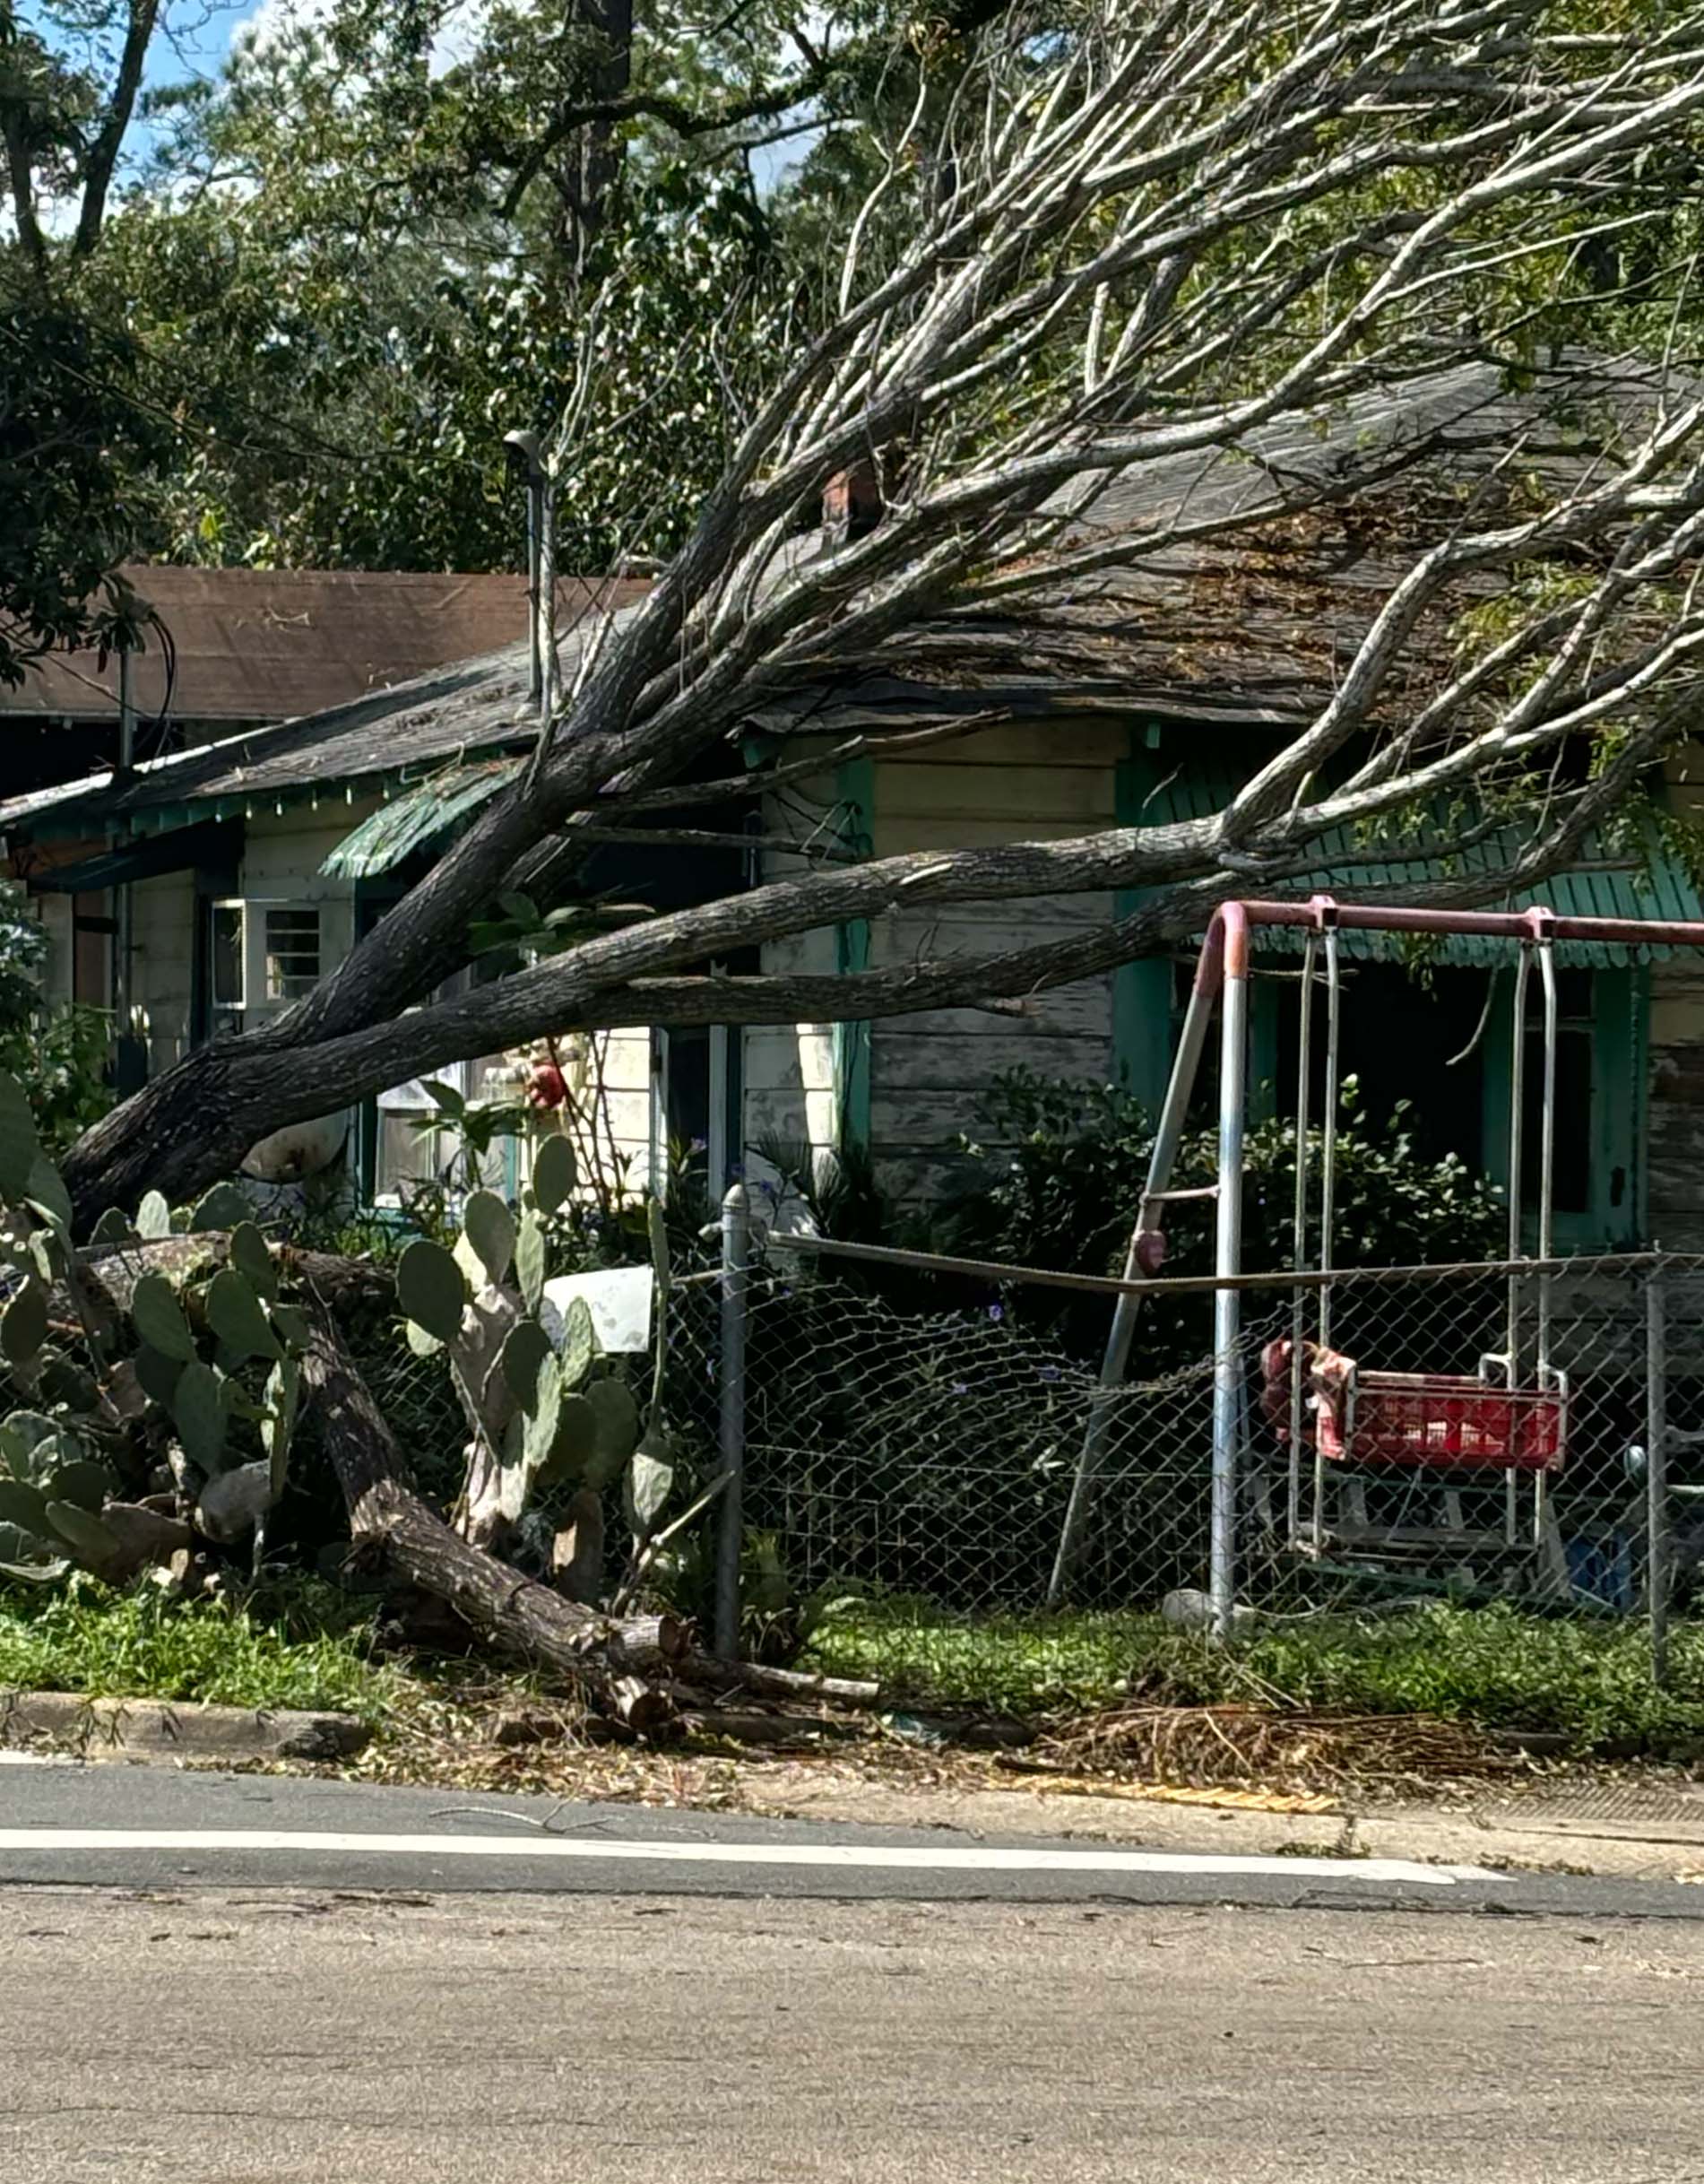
<point>855,792</point>
<point>1143,1027</point>
<point>1619,1095</point>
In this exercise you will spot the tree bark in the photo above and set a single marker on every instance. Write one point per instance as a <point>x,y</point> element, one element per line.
<point>620,1666</point>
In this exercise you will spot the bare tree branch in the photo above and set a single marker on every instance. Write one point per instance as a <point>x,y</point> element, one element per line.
<point>1180,294</point>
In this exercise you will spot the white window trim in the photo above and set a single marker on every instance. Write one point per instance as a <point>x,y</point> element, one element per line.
<point>335,913</point>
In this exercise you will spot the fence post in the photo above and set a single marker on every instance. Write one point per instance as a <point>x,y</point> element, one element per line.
<point>1229,1384</point>
<point>736,1258</point>
<point>1657,1469</point>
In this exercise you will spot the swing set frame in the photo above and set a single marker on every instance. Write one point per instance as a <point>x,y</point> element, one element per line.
<point>1506,1417</point>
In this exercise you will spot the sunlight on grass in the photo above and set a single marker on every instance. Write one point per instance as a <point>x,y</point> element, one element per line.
<point>303,1652</point>
<point>1589,1681</point>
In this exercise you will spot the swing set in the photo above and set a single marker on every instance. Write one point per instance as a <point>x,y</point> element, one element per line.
<point>1342,1422</point>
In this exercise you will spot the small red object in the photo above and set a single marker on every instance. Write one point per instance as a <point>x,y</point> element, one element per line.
<point>1150,1251</point>
<point>548,1088</point>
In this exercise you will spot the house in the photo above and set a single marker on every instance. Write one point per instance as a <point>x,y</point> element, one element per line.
<point>228,653</point>
<point>256,860</point>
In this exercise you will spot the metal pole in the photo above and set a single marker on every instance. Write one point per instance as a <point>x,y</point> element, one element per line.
<point>1227,1304</point>
<point>524,447</point>
<point>1299,1247</point>
<point>535,542</point>
<point>736,1262</point>
<point>1517,1151</point>
<point>1167,1136</point>
<point>547,602</point>
<point>123,909</point>
<point>1656,1470</point>
<point>1328,1119</point>
<point>1546,1148</point>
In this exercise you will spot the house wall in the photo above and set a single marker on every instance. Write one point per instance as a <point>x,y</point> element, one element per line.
<point>792,1072</point>
<point>1675,1144</point>
<point>928,1071</point>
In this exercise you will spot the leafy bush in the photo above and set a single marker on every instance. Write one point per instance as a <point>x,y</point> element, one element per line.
<point>58,1054</point>
<point>1058,1175</point>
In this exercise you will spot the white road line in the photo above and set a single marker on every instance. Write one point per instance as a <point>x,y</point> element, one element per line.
<point>841,1856</point>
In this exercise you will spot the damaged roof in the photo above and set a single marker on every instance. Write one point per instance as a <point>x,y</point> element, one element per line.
<point>471,707</point>
<point>1240,630</point>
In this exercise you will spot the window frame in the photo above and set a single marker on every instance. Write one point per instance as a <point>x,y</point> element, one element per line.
<point>257,1005</point>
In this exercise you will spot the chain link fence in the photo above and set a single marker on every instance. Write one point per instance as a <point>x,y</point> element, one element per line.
<point>929,1448</point>
<point>912,1432</point>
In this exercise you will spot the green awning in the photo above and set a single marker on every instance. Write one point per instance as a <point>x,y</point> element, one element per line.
<point>1657,889</point>
<point>416,817</point>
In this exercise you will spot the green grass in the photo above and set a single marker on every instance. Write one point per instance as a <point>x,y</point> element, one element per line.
<point>1588,1680</point>
<point>301,1648</point>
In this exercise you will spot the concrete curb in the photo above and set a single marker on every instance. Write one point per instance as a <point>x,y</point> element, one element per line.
<point>164,1730</point>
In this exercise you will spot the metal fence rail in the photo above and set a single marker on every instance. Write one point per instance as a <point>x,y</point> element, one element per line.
<point>915,1425</point>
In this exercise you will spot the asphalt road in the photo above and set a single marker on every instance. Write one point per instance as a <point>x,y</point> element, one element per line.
<point>149,1828</point>
<point>215,2037</point>
<point>658,2002</point>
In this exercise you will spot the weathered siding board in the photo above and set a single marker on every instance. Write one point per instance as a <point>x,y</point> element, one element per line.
<point>928,1072</point>
<point>162,958</point>
<point>282,852</point>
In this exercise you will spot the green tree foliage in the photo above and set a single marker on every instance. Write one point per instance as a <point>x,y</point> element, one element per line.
<point>57,1054</point>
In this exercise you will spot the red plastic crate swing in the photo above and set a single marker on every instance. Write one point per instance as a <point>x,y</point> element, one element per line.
<point>1340,1421</point>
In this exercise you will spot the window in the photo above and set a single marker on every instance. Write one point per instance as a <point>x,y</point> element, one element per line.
<point>291,953</point>
<point>261,958</point>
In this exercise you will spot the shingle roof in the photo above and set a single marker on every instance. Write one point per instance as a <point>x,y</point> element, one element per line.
<point>474,706</point>
<point>271,644</point>
<point>1240,631</point>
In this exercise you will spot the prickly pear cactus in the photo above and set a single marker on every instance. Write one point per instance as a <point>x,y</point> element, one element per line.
<point>202,1372</point>
<point>545,1412</point>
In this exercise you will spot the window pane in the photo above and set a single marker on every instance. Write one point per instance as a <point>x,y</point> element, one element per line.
<point>228,955</point>
<point>292,954</point>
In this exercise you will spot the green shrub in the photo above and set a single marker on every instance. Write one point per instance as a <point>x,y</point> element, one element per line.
<point>1057,1171</point>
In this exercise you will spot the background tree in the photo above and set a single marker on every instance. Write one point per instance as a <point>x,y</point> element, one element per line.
<point>1153,280</point>
<point>315,289</point>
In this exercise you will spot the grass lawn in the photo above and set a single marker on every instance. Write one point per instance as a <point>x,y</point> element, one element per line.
<point>304,1644</point>
<point>1590,1681</point>
<point>303,1649</point>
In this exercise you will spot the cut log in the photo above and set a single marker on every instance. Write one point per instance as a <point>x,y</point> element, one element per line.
<point>622,1666</point>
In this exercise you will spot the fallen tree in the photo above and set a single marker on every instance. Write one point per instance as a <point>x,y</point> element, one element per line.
<point>1136,305</point>
<point>136,1361</point>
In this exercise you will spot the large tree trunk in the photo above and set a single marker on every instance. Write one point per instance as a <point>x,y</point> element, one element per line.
<point>623,1667</point>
